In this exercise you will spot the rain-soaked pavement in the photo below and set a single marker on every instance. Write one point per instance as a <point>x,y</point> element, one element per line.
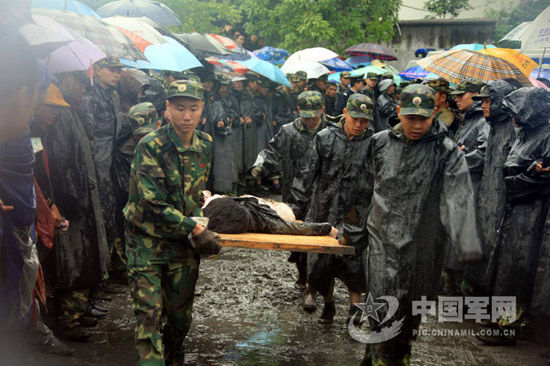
<point>247,312</point>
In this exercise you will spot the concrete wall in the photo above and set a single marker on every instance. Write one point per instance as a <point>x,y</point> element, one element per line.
<point>427,33</point>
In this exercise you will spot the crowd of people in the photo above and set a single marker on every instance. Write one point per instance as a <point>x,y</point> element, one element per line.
<point>440,189</point>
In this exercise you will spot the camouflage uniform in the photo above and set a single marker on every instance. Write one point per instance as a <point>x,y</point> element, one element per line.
<point>165,186</point>
<point>448,116</point>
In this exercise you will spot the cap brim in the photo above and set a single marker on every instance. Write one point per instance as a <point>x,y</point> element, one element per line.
<point>310,113</point>
<point>360,115</point>
<point>457,92</point>
<point>416,112</point>
<point>183,96</point>
<point>479,97</point>
<point>59,103</point>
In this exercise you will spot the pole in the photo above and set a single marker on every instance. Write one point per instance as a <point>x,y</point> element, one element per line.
<point>541,61</point>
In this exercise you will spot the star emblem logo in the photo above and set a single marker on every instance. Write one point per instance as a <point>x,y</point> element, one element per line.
<point>370,309</point>
<point>417,101</point>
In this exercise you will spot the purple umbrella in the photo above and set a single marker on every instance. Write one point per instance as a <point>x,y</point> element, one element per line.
<point>372,50</point>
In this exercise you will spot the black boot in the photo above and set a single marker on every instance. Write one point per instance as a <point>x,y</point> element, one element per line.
<point>329,310</point>
<point>310,302</point>
<point>352,311</point>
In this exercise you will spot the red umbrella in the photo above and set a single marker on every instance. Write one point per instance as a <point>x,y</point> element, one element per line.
<point>372,50</point>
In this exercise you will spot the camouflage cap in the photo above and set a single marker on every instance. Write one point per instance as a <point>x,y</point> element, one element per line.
<point>301,75</point>
<point>387,75</point>
<point>485,92</point>
<point>143,118</point>
<point>417,100</point>
<point>224,80</point>
<point>439,85</point>
<point>109,62</point>
<point>310,103</point>
<point>345,74</point>
<point>291,77</point>
<point>188,75</point>
<point>185,88</point>
<point>251,76</point>
<point>265,82</point>
<point>472,86</point>
<point>360,106</point>
<point>371,75</point>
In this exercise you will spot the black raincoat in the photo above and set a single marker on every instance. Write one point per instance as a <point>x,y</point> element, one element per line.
<point>342,95</point>
<point>263,117</point>
<point>248,108</point>
<point>334,189</point>
<point>99,114</point>
<point>80,256</point>
<point>282,107</point>
<point>422,201</point>
<point>386,113</point>
<point>287,150</point>
<point>515,258</point>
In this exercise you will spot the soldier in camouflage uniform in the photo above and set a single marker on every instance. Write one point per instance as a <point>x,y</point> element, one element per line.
<point>299,85</point>
<point>342,93</point>
<point>445,114</point>
<point>163,243</point>
<point>288,151</point>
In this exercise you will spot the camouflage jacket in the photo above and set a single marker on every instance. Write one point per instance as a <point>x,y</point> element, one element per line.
<point>165,187</point>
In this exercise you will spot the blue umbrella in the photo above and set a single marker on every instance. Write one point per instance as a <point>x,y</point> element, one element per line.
<point>271,54</point>
<point>357,61</point>
<point>415,72</point>
<point>472,46</point>
<point>266,69</point>
<point>335,64</point>
<point>334,77</point>
<point>68,5</point>
<point>170,56</point>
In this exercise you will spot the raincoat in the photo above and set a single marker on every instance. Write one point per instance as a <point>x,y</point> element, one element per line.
<point>263,118</point>
<point>248,108</point>
<point>386,113</point>
<point>515,258</point>
<point>99,115</point>
<point>237,129</point>
<point>282,107</point>
<point>333,188</point>
<point>288,150</point>
<point>422,201</point>
<point>342,95</point>
<point>80,255</point>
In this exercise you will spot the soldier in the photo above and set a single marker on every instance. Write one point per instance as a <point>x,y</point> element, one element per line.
<point>445,114</point>
<point>288,150</point>
<point>386,103</point>
<point>371,79</point>
<point>330,99</point>
<point>301,81</point>
<point>342,93</point>
<point>163,243</point>
<point>331,190</point>
<point>298,86</point>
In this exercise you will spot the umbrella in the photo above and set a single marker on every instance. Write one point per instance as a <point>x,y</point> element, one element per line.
<point>170,55</point>
<point>520,60</point>
<point>472,46</point>
<point>46,37</point>
<point>371,50</point>
<point>378,71</point>
<point>519,33</point>
<point>336,64</point>
<point>457,65</point>
<point>415,72</point>
<point>77,55</point>
<point>356,61</point>
<point>538,32</point>
<point>237,53</point>
<point>231,65</point>
<point>153,10</point>
<point>140,32</point>
<point>538,83</point>
<point>266,69</point>
<point>545,73</point>
<point>202,46</point>
<point>108,38</point>
<point>67,5</point>
<point>312,54</point>
<point>271,54</point>
<point>313,69</point>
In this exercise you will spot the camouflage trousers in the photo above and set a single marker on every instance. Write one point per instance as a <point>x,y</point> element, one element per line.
<point>71,305</point>
<point>163,293</point>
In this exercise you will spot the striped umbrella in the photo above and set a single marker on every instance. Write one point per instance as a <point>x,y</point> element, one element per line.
<point>458,65</point>
<point>372,50</point>
<point>108,38</point>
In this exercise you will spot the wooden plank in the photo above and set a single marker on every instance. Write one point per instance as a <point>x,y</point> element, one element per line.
<point>297,243</point>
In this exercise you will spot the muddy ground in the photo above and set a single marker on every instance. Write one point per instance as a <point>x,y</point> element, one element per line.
<point>247,312</point>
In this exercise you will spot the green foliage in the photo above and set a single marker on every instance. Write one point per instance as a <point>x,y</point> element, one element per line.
<point>526,11</point>
<point>442,8</point>
<point>335,24</point>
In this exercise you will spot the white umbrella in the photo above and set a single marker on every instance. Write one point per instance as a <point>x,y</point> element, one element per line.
<point>312,54</point>
<point>518,33</point>
<point>313,69</point>
<point>538,32</point>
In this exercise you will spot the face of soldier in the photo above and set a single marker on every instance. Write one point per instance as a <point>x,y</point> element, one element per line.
<point>184,114</point>
<point>486,107</point>
<point>371,83</point>
<point>345,81</point>
<point>321,84</point>
<point>108,77</point>
<point>301,84</point>
<point>414,127</point>
<point>391,90</point>
<point>237,85</point>
<point>464,100</point>
<point>440,99</point>
<point>208,85</point>
<point>46,114</point>
<point>354,126</point>
<point>331,91</point>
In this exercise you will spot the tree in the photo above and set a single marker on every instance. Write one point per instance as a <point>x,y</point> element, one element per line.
<point>507,20</point>
<point>442,8</point>
<point>335,24</point>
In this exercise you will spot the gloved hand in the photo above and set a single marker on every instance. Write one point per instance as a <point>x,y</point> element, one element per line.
<point>205,243</point>
<point>256,172</point>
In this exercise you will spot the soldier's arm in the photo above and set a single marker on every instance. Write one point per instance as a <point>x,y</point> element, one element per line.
<point>476,156</point>
<point>86,113</point>
<point>161,219</point>
<point>269,158</point>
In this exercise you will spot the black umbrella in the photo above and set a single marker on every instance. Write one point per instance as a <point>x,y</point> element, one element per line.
<point>372,50</point>
<point>201,46</point>
<point>158,12</point>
